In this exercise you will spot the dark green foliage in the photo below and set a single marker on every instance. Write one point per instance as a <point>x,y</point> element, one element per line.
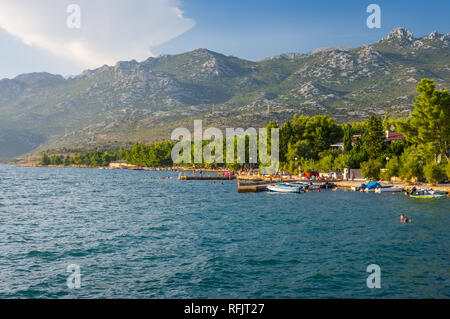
<point>412,165</point>
<point>347,129</point>
<point>373,139</point>
<point>372,168</point>
<point>44,160</point>
<point>429,125</point>
<point>357,155</point>
<point>448,170</point>
<point>306,137</point>
<point>158,154</point>
<point>392,169</point>
<point>434,173</point>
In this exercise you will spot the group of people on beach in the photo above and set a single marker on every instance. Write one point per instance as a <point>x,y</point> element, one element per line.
<point>405,220</point>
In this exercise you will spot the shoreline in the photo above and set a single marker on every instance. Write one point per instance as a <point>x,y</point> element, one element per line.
<point>406,186</point>
<point>123,166</point>
<point>255,178</point>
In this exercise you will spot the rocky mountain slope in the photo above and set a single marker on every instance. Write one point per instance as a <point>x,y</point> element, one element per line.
<point>144,101</point>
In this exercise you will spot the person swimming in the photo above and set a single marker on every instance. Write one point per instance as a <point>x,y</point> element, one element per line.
<point>402,218</point>
<point>407,221</point>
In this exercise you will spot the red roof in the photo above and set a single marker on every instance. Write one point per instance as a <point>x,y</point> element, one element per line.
<point>395,136</point>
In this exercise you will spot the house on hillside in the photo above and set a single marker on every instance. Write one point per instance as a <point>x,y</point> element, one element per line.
<point>392,137</point>
<point>339,146</point>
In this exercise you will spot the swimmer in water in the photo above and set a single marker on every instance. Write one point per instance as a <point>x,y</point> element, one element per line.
<point>407,221</point>
<point>402,218</point>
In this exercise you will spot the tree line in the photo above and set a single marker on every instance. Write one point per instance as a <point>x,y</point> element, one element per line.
<point>155,154</point>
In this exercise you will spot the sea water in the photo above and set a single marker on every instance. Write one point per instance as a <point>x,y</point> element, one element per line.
<point>140,234</point>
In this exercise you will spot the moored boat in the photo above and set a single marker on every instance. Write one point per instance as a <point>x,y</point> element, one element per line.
<point>388,189</point>
<point>379,186</point>
<point>426,193</point>
<point>428,196</point>
<point>284,188</point>
<point>371,187</point>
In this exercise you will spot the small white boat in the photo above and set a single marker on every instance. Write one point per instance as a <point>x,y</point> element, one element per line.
<point>284,188</point>
<point>389,190</point>
<point>375,189</point>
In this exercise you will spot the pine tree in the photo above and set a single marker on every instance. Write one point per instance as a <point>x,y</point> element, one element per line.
<point>347,138</point>
<point>430,121</point>
<point>45,160</point>
<point>373,139</point>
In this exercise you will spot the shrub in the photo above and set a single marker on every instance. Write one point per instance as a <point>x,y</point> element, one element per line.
<point>342,162</point>
<point>308,166</point>
<point>411,167</point>
<point>392,169</point>
<point>45,160</point>
<point>372,168</point>
<point>448,170</point>
<point>326,163</point>
<point>434,173</point>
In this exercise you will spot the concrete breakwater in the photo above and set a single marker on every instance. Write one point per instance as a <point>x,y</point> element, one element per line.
<point>206,178</point>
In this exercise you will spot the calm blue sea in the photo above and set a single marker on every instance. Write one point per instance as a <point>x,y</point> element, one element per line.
<point>135,235</point>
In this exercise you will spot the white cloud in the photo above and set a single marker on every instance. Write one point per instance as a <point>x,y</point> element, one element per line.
<point>111,30</point>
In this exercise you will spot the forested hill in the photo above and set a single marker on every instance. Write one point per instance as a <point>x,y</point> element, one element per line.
<point>144,101</point>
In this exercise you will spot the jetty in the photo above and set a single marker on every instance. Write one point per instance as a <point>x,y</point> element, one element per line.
<point>252,188</point>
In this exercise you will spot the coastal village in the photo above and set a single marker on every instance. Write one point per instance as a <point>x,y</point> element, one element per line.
<point>410,155</point>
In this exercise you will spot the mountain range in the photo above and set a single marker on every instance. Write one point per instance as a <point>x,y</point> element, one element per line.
<point>144,101</point>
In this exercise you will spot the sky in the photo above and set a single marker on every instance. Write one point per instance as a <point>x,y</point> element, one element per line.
<point>55,36</point>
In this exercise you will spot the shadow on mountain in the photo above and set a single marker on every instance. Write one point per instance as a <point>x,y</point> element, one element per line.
<point>14,143</point>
